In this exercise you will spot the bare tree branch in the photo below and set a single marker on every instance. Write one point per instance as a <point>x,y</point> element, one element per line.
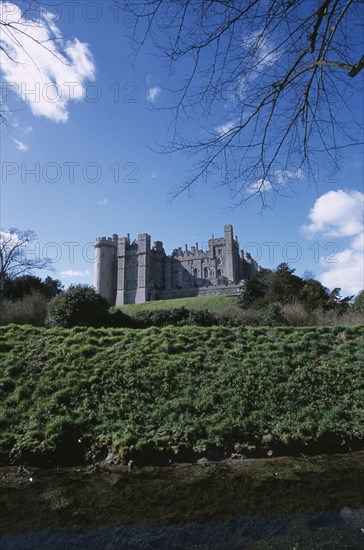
<point>15,258</point>
<point>285,68</point>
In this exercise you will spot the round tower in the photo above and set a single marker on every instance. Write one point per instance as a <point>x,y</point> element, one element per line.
<point>105,271</point>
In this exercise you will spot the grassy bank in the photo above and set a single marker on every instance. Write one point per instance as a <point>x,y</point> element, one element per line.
<point>69,395</point>
<point>214,304</point>
<point>225,311</point>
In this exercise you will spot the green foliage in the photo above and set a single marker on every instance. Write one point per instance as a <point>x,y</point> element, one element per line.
<point>358,305</point>
<point>177,317</point>
<point>160,318</point>
<point>69,392</point>
<point>117,318</point>
<point>79,305</point>
<point>274,316</point>
<point>24,299</point>
<point>256,289</point>
<point>336,302</point>
<point>283,287</point>
<point>17,288</point>
<point>313,295</point>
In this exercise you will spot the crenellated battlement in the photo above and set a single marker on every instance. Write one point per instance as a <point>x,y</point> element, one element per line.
<point>135,271</point>
<point>106,241</point>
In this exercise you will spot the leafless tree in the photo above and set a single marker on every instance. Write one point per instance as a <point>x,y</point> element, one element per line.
<point>15,259</point>
<point>283,74</point>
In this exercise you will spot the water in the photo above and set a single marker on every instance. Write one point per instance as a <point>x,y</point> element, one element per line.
<point>280,504</point>
<point>328,530</point>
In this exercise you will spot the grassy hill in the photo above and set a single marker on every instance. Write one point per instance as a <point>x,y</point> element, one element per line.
<point>169,393</point>
<point>212,303</point>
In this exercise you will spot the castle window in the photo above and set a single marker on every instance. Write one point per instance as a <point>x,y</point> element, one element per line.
<point>219,273</point>
<point>219,251</point>
<point>212,273</point>
<point>219,260</point>
<point>205,273</point>
<point>195,273</point>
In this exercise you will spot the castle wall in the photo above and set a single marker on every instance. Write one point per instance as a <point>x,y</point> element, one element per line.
<point>144,273</point>
<point>106,267</point>
<point>231,255</point>
<point>221,290</point>
<point>134,272</point>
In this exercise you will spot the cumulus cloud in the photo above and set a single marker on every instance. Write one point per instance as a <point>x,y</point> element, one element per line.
<point>71,273</point>
<point>20,145</point>
<point>347,273</point>
<point>104,202</point>
<point>39,66</point>
<point>153,94</point>
<point>339,215</point>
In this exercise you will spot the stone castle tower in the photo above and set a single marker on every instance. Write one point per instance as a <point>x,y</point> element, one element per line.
<point>136,272</point>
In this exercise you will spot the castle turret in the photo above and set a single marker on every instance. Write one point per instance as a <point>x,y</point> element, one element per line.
<point>144,274</point>
<point>122,266</point>
<point>232,255</point>
<point>105,267</point>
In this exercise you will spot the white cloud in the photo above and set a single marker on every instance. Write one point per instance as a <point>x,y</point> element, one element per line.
<point>71,273</point>
<point>153,94</point>
<point>339,214</point>
<point>262,50</point>
<point>282,177</point>
<point>8,239</point>
<point>154,175</point>
<point>20,145</point>
<point>261,186</point>
<point>104,202</point>
<point>42,69</point>
<point>225,128</point>
<point>347,273</point>
<point>263,55</point>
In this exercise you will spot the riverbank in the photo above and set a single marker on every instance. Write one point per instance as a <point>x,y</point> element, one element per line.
<point>80,498</point>
<point>178,394</point>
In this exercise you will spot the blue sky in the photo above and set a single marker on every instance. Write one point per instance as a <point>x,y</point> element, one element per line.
<point>81,164</point>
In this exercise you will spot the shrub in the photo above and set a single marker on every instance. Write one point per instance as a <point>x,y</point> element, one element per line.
<point>358,305</point>
<point>119,319</point>
<point>298,315</point>
<point>161,318</point>
<point>234,318</point>
<point>29,310</point>
<point>274,316</point>
<point>80,305</point>
<point>202,318</point>
<point>178,317</point>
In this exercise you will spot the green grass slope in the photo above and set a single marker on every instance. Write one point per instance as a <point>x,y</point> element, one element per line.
<point>70,394</point>
<point>212,303</point>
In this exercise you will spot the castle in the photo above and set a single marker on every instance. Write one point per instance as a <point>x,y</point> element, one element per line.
<point>134,272</point>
